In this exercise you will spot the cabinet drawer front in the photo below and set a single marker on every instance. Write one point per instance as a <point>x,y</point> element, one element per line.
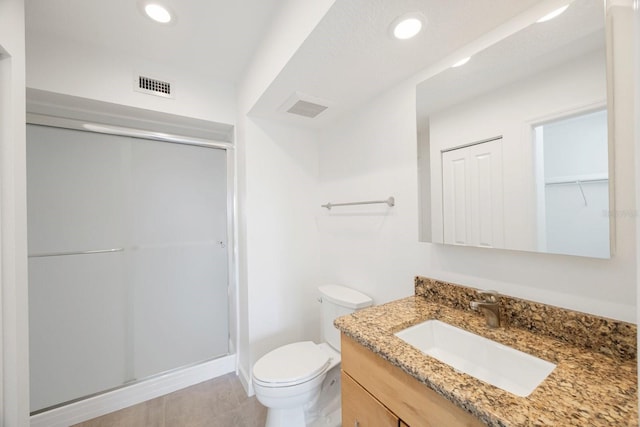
<point>413,402</point>
<point>360,409</point>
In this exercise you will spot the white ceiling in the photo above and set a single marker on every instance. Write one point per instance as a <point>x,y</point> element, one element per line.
<point>538,47</point>
<point>350,57</point>
<point>347,59</point>
<point>214,37</point>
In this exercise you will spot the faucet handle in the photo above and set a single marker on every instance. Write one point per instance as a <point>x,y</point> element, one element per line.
<point>488,295</point>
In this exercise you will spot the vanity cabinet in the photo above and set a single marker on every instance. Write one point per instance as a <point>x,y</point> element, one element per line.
<point>376,393</point>
<point>362,409</point>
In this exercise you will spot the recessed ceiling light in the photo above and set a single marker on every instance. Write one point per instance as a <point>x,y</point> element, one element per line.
<point>158,13</point>
<point>407,26</point>
<point>554,14</point>
<point>461,62</point>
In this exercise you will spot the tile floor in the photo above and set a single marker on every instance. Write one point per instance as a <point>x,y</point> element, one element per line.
<point>220,402</point>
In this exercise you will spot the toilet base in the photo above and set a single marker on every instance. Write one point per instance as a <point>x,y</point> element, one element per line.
<point>285,418</point>
<point>327,410</point>
<point>332,419</point>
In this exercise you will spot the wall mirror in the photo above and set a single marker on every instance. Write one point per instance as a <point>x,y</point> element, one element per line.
<point>513,146</point>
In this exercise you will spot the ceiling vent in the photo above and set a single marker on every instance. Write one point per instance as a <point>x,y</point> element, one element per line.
<point>153,86</point>
<point>307,109</point>
<point>304,105</point>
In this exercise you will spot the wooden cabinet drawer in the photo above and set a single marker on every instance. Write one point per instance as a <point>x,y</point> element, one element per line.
<point>360,409</point>
<point>413,402</point>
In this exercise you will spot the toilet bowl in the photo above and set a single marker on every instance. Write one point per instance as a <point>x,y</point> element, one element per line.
<point>288,381</point>
<point>299,383</point>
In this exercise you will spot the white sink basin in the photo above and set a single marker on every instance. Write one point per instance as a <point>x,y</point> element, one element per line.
<point>497,364</point>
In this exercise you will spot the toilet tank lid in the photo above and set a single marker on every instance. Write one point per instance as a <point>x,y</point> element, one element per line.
<point>345,297</point>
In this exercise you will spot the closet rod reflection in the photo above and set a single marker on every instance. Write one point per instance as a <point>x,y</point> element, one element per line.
<point>97,251</point>
<point>577,181</point>
<point>390,201</point>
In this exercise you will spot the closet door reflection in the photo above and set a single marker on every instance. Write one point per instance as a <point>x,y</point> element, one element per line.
<point>127,260</point>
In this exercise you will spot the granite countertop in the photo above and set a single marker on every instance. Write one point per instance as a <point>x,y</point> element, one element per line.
<point>587,387</point>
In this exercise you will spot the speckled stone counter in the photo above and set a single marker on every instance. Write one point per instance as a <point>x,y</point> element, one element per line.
<point>594,383</point>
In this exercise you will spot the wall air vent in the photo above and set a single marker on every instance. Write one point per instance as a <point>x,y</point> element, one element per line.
<point>153,86</point>
<point>304,105</point>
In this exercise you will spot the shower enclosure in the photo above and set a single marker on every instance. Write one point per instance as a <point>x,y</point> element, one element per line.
<point>128,260</point>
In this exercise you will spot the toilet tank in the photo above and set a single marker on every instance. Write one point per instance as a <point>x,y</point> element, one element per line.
<point>337,301</point>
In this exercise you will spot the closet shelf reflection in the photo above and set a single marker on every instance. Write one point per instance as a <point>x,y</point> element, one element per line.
<point>576,181</point>
<point>579,183</point>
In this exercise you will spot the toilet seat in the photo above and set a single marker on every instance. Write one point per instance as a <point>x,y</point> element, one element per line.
<point>291,364</point>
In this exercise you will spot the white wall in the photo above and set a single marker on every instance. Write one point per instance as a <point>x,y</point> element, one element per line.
<point>277,180</point>
<point>14,356</point>
<point>281,237</point>
<point>636,71</point>
<point>279,255</point>
<point>576,146</point>
<point>372,154</point>
<point>73,68</point>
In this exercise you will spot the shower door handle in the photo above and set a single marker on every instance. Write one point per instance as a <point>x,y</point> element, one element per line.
<point>91,252</point>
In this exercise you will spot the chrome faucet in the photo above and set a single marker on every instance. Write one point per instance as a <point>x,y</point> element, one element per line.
<point>489,306</point>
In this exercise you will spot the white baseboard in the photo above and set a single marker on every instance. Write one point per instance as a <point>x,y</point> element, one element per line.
<point>245,379</point>
<point>96,406</point>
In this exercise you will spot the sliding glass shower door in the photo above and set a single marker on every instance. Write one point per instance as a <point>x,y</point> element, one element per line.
<point>127,260</point>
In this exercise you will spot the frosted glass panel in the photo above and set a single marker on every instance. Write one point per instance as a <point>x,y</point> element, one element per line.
<point>102,320</point>
<point>178,317</point>
<point>75,183</point>
<point>179,193</point>
<point>77,326</point>
<point>179,206</point>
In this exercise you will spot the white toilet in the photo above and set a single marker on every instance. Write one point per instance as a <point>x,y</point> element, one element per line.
<point>299,383</point>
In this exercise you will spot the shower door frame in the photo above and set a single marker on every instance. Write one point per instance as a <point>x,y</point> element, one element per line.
<point>89,407</point>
